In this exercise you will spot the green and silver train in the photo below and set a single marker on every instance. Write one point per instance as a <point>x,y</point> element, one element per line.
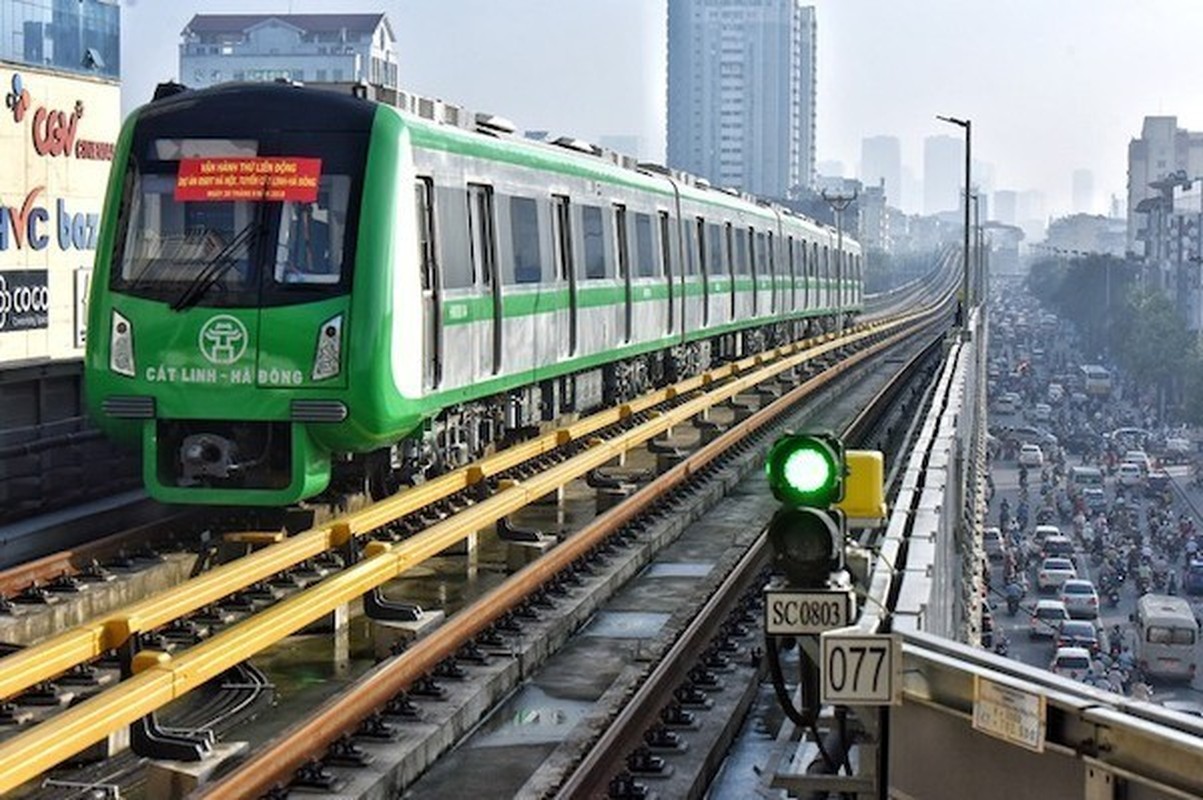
<point>299,291</point>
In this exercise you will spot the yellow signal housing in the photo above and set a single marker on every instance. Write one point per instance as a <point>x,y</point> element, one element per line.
<point>864,503</point>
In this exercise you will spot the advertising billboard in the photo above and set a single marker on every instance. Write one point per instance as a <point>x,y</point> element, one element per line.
<point>57,135</point>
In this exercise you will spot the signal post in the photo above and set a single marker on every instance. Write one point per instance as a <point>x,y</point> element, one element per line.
<point>810,602</point>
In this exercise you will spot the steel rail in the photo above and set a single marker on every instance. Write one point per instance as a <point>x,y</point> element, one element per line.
<point>56,739</point>
<point>274,763</point>
<point>591,776</point>
<point>41,662</point>
<point>73,729</point>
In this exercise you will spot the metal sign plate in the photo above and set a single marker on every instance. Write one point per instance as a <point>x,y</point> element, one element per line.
<point>1010,714</point>
<point>813,611</point>
<point>859,669</point>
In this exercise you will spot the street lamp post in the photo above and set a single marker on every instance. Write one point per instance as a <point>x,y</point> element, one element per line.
<point>967,125</point>
<point>838,203</point>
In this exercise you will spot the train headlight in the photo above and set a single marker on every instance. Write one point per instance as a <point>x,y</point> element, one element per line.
<point>121,346</point>
<point>328,356</point>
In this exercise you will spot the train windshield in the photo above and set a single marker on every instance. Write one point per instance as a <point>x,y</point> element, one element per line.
<point>216,222</point>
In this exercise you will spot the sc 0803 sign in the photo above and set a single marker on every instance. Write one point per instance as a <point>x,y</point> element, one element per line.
<point>800,613</point>
<point>859,669</point>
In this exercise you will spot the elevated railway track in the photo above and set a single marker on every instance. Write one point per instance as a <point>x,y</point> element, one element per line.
<point>386,538</point>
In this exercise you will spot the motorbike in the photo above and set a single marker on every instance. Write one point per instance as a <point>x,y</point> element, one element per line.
<point>1012,606</point>
<point>1112,597</point>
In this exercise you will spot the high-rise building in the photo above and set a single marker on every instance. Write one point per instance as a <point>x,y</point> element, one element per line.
<point>741,93</point>
<point>881,160</point>
<point>1006,206</point>
<point>1163,151</point>
<point>1083,191</point>
<point>943,173</point>
<point>314,48</point>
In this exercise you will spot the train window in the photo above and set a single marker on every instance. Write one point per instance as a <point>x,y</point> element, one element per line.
<point>645,253</point>
<point>740,254</point>
<point>593,233</point>
<point>763,265</point>
<point>310,247</point>
<point>772,254</point>
<point>481,233</point>
<point>689,258</point>
<point>699,246</point>
<point>715,263</point>
<point>562,220</point>
<point>623,241</point>
<point>666,248</point>
<point>424,207</point>
<point>524,237</point>
<point>455,261</point>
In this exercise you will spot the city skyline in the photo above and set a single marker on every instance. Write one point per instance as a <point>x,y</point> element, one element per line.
<point>1056,102</point>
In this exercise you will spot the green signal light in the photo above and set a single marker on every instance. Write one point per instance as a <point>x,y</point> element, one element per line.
<point>806,470</point>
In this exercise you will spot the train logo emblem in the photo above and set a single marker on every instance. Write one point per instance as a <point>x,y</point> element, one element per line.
<point>223,339</point>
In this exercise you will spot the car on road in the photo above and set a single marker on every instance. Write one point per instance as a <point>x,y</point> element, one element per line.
<point>1140,458</point>
<point>1158,483</point>
<point>1080,598</point>
<point>1129,474</point>
<point>1079,633</point>
<point>993,543</point>
<point>1054,572</point>
<point>1046,619</point>
<point>1095,499</point>
<point>1041,412</point>
<point>1028,434</point>
<point>1057,547</point>
<point>1030,455</point>
<point>1071,662</point>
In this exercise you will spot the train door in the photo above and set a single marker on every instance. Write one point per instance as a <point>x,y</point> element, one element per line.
<point>622,243</point>
<point>561,220</point>
<point>432,304</point>
<point>728,238</point>
<point>699,238</point>
<point>483,241</point>
<point>670,272</point>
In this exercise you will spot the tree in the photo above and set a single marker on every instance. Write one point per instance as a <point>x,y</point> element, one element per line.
<point>1152,342</point>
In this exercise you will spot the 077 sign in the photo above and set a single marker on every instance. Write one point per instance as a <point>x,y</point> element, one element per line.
<point>860,669</point>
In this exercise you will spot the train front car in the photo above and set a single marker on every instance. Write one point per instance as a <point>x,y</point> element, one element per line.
<point>238,222</point>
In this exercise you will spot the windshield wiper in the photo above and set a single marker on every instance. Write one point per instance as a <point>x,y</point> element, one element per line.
<point>217,267</point>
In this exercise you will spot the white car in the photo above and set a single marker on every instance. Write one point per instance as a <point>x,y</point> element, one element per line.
<point>1129,474</point>
<point>1030,455</point>
<point>1042,412</point>
<point>1140,459</point>
<point>1071,662</point>
<point>993,543</point>
<point>1080,598</point>
<point>1047,617</point>
<point>1054,572</point>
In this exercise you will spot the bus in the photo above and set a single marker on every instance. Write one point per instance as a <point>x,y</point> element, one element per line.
<point>1167,636</point>
<point>1096,380</point>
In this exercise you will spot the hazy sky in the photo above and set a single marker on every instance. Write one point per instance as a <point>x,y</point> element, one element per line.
<point>1051,85</point>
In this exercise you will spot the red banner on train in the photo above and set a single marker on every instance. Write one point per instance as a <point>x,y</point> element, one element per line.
<point>274,178</point>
